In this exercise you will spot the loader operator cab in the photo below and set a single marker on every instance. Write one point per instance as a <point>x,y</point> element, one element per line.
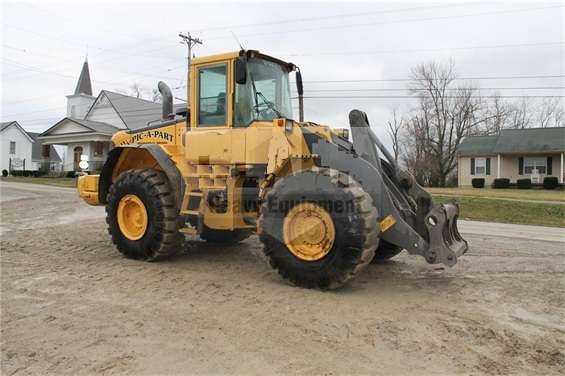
<point>260,87</point>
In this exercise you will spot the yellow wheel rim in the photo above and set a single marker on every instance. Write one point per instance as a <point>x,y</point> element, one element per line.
<point>132,217</point>
<point>308,231</point>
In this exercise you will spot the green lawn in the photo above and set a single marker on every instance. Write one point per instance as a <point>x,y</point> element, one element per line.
<point>57,182</point>
<point>519,194</point>
<point>506,211</point>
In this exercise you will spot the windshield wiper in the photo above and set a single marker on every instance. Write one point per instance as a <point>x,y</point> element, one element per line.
<point>258,94</point>
<point>270,104</point>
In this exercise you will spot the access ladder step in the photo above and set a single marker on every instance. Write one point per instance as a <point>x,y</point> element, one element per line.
<point>188,230</point>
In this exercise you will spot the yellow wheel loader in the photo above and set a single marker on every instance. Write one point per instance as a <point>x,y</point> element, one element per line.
<point>234,162</point>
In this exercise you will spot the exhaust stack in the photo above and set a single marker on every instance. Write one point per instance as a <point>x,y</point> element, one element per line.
<point>167,99</point>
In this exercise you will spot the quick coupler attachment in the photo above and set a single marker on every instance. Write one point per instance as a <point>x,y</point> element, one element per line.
<point>445,242</point>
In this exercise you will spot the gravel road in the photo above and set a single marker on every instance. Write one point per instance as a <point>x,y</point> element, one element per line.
<point>70,304</point>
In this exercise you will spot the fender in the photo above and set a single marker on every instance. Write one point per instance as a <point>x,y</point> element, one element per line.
<point>161,157</point>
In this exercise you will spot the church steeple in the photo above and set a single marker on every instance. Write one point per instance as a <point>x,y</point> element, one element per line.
<point>83,85</point>
<point>80,102</point>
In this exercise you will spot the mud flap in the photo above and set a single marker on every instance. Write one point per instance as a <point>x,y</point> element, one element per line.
<point>445,242</point>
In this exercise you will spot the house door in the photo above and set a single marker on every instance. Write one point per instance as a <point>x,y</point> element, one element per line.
<point>77,154</point>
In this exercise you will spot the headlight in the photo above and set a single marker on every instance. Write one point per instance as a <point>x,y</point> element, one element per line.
<point>288,125</point>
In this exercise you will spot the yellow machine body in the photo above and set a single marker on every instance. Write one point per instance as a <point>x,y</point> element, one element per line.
<point>235,161</point>
<point>214,158</point>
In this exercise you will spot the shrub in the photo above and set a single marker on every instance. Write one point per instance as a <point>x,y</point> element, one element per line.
<point>550,182</point>
<point>501,183</point>
<point>39,173</point>
<point>478,182</point>
<point>4,173</point>
<point>70,174</point>
<point>524,183</point>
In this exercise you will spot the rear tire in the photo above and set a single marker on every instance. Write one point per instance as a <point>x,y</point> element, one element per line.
<point>211,235</point>
<point>161,238</point>
<point>385,251</point>
<point>356,228</point>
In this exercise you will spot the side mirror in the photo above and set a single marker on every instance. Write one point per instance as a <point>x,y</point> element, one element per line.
<point>240,71</point>
<point>299,87</point>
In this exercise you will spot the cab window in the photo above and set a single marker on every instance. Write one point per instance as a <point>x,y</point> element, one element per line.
<point>212,84</point>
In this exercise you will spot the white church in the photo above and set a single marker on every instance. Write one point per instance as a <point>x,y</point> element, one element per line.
<point>91,122</point>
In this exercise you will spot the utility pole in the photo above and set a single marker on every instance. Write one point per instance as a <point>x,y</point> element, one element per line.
<point>190,42</point>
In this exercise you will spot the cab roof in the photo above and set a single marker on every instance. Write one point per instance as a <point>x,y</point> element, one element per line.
<point>235,54</point>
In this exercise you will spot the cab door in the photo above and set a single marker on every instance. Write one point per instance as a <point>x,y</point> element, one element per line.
<point>210,139</point>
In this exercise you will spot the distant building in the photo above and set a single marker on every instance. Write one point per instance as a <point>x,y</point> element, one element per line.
<point>22,150</point>
<point>91,121</point>
<point>16,148</point>
<point>44,157</point>
<point>514,154</point>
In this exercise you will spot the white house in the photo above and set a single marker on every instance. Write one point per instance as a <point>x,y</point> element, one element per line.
<point>22,150</point>
<point>16,147</point>
<point>91,121</point>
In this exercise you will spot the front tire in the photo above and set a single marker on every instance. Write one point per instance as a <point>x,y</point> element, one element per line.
<point>319,228</point>
<point>142,217</point>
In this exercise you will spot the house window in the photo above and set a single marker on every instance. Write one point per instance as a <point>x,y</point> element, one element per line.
<point>535,163</point>
<point>12,147</point>
<point>480,166</point>
<point>98,149</point>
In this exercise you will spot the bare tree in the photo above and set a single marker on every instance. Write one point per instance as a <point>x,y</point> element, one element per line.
<point>444,116</point>
<point>156,96</point>
<point>136,90</point>
<point>394,130</point>
<point>497,112</point>
<point>521,114</point>
<point>550,113</point>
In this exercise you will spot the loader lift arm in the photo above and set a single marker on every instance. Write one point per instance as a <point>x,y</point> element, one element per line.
<point>419,226</point>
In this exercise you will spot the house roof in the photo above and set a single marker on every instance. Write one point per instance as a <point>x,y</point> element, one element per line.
<point>37,152</point>
<point>84,85</point>
<point>513,141</point>
<point>135,112</point>
<point>96,126</point>
<point>92,126</point>
<point>477,145</point>
<point>531,140</point>
<point>6,124</point>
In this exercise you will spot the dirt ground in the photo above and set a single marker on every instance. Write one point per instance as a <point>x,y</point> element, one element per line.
<point>70,304</point>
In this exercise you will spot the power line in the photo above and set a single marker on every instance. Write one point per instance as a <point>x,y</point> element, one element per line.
<point>339,16</point>
<point>347,53</point>
<point>293,30</point>
<point>456,78</point>
<point>421,96</point>
<point>417,89</point>
<point>336,90</point>
<point>40,70</point>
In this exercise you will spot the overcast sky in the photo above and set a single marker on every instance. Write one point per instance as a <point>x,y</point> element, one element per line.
<point>44,44</point>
